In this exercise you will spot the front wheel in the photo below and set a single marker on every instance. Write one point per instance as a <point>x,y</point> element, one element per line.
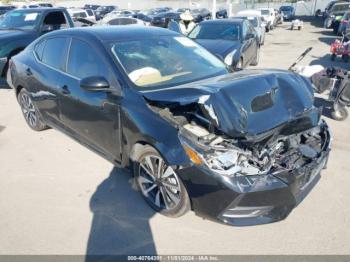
<point>340,114</point>
<point>159,184</point>
<point>257,58</point>
<point>30,112</point>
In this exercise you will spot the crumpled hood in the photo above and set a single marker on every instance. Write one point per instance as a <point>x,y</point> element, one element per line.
<point>8,35</point>
<point>219,47</point>
<point>249,102</point>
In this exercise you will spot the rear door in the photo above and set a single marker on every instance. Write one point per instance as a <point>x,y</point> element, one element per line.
<point>45,76</point>
<point>92,116</point>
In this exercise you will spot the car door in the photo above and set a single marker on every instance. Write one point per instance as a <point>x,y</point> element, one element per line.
<point>44,76</point>
<point>92,116</point>
<point>246,44</point>
<point>253,41</point>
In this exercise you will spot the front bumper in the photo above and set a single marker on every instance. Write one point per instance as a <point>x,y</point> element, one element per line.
<point>251,200</point>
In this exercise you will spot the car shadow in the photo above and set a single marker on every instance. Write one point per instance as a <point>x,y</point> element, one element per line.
<point>120,224</point>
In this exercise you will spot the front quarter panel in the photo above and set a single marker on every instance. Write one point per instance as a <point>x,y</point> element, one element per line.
<point>143,125</point>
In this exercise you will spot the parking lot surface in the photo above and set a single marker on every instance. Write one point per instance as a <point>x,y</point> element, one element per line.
<point>57,197</point>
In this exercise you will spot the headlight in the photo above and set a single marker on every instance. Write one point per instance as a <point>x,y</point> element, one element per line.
<point>221,158</point>
<point>229,58</point>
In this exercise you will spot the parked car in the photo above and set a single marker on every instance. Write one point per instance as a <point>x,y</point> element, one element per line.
<point>5,8</point>
<point>257,24</point>
<point>235,41</point>
<point>335,14</point>
<point>147,15</point>
<point>330,5</point>
<point>119,13</point>
<point>104,10</point>
<point>93,7</point>
<point>288,12</point>
<point>200,14</point>
<point>251,12</point>
<point>221,13</point>
<point>192,134</point>
<point>269,16</point>
<point>45,5</point>
<point>20,27</point>
<point>123,21</point>
<point>82,13</point>
<point>163,19</point>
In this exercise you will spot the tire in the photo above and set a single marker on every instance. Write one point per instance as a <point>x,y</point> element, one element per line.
<point>333,56</point>
<point>30,112</point>
<point>340,114</point>
<point>345,58</point>
<point>299,28</point>
<point>292,27</point>
<point>164,192</point>
<point>257,58</point>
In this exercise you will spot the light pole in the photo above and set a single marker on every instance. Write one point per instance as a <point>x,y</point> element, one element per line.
<point>213,12</point>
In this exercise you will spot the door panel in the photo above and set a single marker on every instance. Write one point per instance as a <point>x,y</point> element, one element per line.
<point>44,76</point>
<point>91,115</point>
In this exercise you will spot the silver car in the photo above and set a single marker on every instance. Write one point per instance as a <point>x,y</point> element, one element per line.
<point>258,25</point>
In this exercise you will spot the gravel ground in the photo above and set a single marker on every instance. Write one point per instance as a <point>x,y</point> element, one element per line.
<point>57,197</point>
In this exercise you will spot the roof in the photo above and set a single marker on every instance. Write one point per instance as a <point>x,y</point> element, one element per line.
<point>223,21</point>
<point>40,9</point>
<point>120,32</point>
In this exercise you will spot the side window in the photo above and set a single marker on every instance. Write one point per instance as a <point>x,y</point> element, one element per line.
<point>90,13</point>
<point>244,29</point>
<point>83,61</point>
<point>55,52</point>
<point>39,49</point>
<point>56,20</point>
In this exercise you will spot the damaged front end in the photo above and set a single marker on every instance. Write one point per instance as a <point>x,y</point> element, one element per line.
<point>261,169</point>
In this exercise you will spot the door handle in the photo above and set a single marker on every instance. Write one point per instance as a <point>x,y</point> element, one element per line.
<point>65,90</point>
<point>29,72</point>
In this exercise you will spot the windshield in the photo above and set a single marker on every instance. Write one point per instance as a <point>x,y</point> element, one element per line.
<point>341,7</point>
<point>252,19</point>
<point>20,19</point>
<point>165,61</point>
<point>224,31</point>
<point>265,12</point>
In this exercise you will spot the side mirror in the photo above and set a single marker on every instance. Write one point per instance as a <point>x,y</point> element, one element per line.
<point>47,28</point>
<point>249,36</point>
<point>94,83</point>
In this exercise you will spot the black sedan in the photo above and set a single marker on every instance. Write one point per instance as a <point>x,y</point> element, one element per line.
<point>194,136</point>
<point>200,14</point>
<point>235,41</point>
<point>163,19</point>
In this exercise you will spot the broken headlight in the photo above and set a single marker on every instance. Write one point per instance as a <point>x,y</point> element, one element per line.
<point>220,155</point>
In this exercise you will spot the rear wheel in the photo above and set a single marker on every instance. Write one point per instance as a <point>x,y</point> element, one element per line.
<point>30,112</point>
<point>159,184</point>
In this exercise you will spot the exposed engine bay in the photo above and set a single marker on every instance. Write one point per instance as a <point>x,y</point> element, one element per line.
<point>271,152</point>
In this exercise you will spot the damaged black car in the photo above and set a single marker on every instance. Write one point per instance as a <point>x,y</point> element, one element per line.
<point>241,148</point>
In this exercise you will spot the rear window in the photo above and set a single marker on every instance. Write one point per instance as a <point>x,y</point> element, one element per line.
<point>90,13</point>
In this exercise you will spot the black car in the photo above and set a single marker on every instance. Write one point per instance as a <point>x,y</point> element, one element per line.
<point>194,136</point>
<point>200,14</point>
<point>92,7</point>
<point>288,12</point>
<point>235,41</point>
<point>221,14</point>
<point>163,19</point>
<point>5,8</point>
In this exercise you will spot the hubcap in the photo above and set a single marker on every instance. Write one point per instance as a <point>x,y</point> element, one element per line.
<point>159,182</point>
<point>28,109</point>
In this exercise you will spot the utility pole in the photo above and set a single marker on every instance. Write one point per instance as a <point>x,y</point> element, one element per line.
<point>213,12</point>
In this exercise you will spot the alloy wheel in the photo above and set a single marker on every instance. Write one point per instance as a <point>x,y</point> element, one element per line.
<point>159,182</point>
<point>28,110</point>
